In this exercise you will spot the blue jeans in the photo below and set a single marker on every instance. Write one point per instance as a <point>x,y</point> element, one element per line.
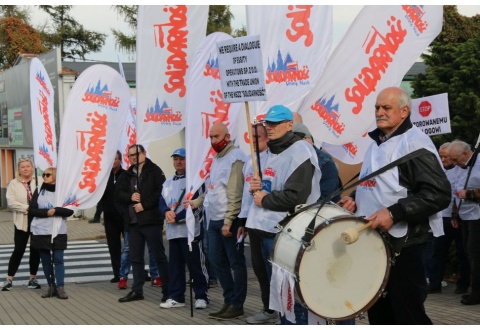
<point>226,255</point>
<point>59,266</point>
<point>210,269</point>
<point>301,317</point>
<point>125,260</point>
<point>179,257</point>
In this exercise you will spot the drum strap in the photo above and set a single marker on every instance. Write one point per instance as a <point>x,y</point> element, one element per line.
<point>309,231</point>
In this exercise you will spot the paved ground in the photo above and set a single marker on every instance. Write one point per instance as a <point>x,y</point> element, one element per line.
<point>95,303</point>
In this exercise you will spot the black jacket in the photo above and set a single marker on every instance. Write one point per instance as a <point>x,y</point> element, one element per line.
<point>149,185</point>
<point>428,192</point>
<point>108,198</point>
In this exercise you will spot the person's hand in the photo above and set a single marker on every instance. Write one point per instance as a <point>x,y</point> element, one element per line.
<point>462,194</point>
<point>255,185</point>
<point>136,197</point>
<point>348,203</point>
<point>170,216</point>
<point>381,220</point>
<point>241,232</point>
<point>226,231</point>
<point>51,212</point>
<point>454,223</point>
<point>187,204</point>
<point>258,196</point>
<point>138,207</point>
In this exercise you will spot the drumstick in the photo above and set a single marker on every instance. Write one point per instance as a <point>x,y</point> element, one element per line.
<point>350,235</point>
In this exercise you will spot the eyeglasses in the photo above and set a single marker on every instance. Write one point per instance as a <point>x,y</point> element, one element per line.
<point>46,175</point>
<point>274,124</point>
<point>132,155</point>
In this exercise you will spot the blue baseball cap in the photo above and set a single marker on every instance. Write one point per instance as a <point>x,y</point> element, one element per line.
<point>279,113</point>
<point>179,152</point>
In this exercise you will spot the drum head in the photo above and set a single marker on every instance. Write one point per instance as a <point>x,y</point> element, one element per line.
<point>339,281</point>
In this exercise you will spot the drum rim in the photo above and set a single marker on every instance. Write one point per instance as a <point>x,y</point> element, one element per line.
<point>298,292</point>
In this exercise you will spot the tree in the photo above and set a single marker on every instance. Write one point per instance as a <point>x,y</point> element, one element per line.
<point>125,42</point>
<point>453,67</point>
<point>219,17</point>
<point>15,11</point>
<point>70,36</point>
<point>17,37</point>
<point>240,32</point>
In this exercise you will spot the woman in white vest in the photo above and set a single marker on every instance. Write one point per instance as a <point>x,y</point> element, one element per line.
<point>51,251</point>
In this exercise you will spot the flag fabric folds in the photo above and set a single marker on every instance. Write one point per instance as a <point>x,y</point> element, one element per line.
<point>43,119</point>
<point>167,37</point>
<point>95,110</point>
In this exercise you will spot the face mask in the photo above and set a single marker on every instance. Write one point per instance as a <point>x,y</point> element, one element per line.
<point>220,145</point>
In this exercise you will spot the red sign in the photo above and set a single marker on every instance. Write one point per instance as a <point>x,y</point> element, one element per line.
<point>425,108</point>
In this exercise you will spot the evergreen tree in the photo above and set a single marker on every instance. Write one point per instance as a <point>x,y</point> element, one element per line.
<point>126,42</point>
<point>219,17</point>
<point>70,36</point>
<point>453,67</point>
<point>21,13</point>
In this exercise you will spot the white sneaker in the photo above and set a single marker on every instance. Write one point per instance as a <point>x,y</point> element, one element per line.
<point>200,304</point>
<point>263,318</point>
<point>170,303</point>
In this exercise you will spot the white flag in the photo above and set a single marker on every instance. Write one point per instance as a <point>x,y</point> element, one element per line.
<point>205,107</point>
<point>378,49</point>
<point>167,37</point>
<point>95,111</point>
<point>43,120</point>
<point>296,40</point>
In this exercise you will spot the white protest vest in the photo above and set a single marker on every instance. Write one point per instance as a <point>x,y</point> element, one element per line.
<point>469,210</point>
<point>276,171</point>
<point>43,226</point>
<point>384,190</point>
<point>446,213</point>
<point>216,198</point>
<point>247,199</point>
<point>171,192</point>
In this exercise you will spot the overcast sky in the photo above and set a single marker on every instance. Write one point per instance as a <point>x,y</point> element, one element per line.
<point>103,18</point>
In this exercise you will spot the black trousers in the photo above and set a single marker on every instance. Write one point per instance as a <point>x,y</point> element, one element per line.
<point>471,239</point>
<point>153,236</point>
<point>441,245</point>
<point>258,265</point>
<point>114,232</point>
<point>20,240</point>
<point>406,291</point>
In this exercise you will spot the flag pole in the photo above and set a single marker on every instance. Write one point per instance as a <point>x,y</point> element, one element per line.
<point>250,138</point>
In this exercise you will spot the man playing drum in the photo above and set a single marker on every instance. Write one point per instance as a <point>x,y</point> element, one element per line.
<point>290,177</point>
<point>405,202</point>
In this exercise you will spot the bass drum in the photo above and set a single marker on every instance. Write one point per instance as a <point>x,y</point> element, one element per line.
<point>334,280</point>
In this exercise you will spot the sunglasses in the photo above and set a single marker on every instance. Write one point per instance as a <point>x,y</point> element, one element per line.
<point>46,175</point>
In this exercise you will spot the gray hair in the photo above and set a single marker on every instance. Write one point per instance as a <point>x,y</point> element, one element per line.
<point>445,145</point>
<point>404,100</point>
<point>459,146</point>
